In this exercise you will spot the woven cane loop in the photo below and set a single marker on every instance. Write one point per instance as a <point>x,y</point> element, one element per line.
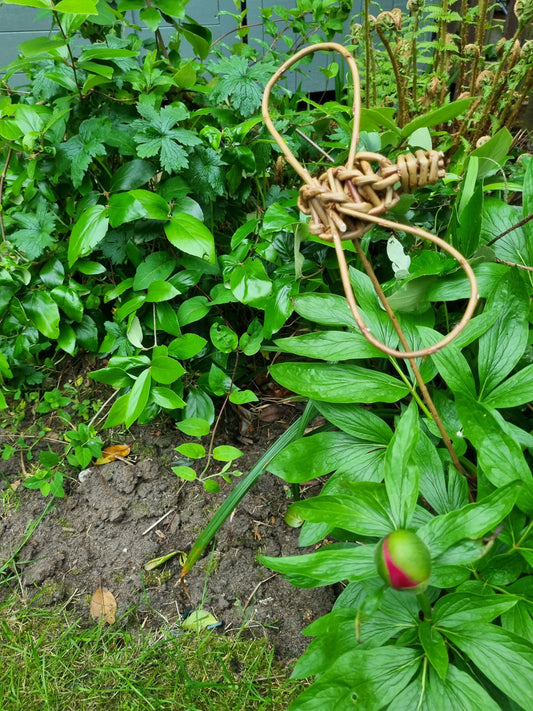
<point>346,201</point>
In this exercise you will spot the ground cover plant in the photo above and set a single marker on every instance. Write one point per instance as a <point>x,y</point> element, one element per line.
<point>148,218</point>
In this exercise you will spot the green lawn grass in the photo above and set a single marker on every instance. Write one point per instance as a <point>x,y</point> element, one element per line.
<point>49,661</point>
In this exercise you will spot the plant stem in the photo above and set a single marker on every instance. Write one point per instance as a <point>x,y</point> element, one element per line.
<point>69,49</point>
<point>402,112</point>
<point>368,50</point>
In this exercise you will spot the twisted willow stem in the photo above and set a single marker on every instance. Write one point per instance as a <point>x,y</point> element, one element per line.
<point>328,214</point>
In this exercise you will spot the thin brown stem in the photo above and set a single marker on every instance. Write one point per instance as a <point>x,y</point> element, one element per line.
<point>514,227</point>
<point>71,55</point>
<point>400,80</point>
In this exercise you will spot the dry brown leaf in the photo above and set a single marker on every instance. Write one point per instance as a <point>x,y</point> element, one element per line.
<point>109,454</point>
<point>103,605</point>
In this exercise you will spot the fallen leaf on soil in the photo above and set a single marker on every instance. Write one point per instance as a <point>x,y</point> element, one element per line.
<point>200,620</point>
<point>103,606</point>
<point>109,454</point>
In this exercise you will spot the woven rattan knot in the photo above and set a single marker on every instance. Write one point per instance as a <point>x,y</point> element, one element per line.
<point>346,201</point>
<point>371,187</point>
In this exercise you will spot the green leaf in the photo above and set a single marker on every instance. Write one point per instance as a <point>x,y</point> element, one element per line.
<point>471,521</point>
<point>326,566</point>
<point>250,283</point>
<point>456,609</point>
<point>42,312</point>
<point>365,510</point>
<point>330,345</point>
<point>492,155</point>
<point>67,339</point>
<point>136,205</point>
<point>369,679</point>
<point>401,477</point>
<point>166,398</point>
<point>434,647</point>
<point>185,473</point>
<point>223,338</point>
<point>451,363</point>
<point>339,383</point>
<point>166,370</point>
<point>326,309</point>
<point>160,291</point>
<point>186,346</point>
<point>89,230</point>
<point>514,391</point>
<point>513,672</point>
<point>193,310</point>
<point>157,266</point>
<point>191,450</point>
<point>241,397</point>
<point>117,413</point>
<point>200,37</point>
<point>356,421</point>
<point>68,301</point>
<point>87,333</point>
<point>499,454</point>
<point>497,218</point>
<point>191,236</point>
<point>441,115</point>
<point>199,405</point>
<point>38,230</point>
<point>502,346</point>
<point>138,397</point>
<point>77,7</point>
<point>132,175</point>
<point>250,341</point>
<point>194,426</point>
<point>325,452</point>
<point>226,453</point>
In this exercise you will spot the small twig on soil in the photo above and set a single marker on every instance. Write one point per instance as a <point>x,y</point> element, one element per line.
<point>274,575</point>
<point>157,522</point>
<point>111,397</point>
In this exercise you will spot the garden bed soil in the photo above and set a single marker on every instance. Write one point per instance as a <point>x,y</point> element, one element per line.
<point>99,535</point>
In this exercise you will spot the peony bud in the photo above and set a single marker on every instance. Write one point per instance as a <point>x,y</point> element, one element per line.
<point>403,561</point>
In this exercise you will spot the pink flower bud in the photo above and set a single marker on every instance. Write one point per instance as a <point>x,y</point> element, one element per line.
<point>403,561</point>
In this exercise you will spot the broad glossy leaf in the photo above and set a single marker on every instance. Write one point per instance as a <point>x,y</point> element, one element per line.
<point>223,338</point>
<point>514,391</point>
<point>67,339</point>
<point>226,453</point>
<point>401,476</point>
<point>326,566</point>
<point>365,510</point>
<point>498,217</point>
<point>138,397</point>
<point>68,301</point>
<point>339,383</point>
<point>167,398</point>
<point>493,154</point>
<point>434,647</point>
<point>160,291</point>
<point>191,236</point>
<point>157,266</point>
<point>166,370</point>
<point>502,346</point>
<point>117,413</point>
<point>326,309</point>
<point>116,377</point>
<point>366,678</point>
<point>472,521</point>
<point>186,346</point>
<point>451,363</point>
<point>499,454</point>
<point>441,115</point>
<point>43,313</point>
<point>136,205</point>
<point>505,658</point>
<point>456,609</point>
<point>194,426</point>
<point>250,283</point>
<point>356,421</point>
<point>200,406</point>
<point>193,310</point>
<point>330,345</point>
<point>166,318</point>
<point>132,175</point>
<point>323,453</point>
<point>456,286</point>
<point>89,230</point>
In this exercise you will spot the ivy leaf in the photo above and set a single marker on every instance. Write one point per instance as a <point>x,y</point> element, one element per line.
<point>240,81</point>
<point>77,153</point>
<point>36,234</point>
<point>206,172</point>
<point>155,134</point>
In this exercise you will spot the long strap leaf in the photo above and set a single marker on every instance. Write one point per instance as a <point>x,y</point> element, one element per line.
<point>295,431</point>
